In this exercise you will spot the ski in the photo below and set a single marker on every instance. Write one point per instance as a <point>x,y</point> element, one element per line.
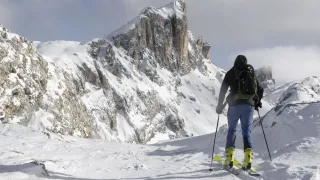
<point>239,165</point>
<point>231,170</point>
<point>236,163</point>
<point>253,173</point>
<point>250,172</point>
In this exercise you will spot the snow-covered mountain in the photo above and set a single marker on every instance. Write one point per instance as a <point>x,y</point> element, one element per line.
<point>306,90</point>
<point>150,80</point>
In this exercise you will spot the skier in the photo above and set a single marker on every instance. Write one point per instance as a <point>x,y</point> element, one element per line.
<point>245,96</point>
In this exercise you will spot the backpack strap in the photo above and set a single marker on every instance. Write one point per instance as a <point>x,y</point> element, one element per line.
<point>237,72</point>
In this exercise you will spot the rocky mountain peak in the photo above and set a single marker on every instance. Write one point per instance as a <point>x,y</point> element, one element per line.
<point>162,35</point>
<point>176,8</point>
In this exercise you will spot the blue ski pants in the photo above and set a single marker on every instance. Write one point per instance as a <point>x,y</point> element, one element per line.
<point>244,112</point>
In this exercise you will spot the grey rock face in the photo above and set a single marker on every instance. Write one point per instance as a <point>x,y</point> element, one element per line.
<point>23,75</point>
<point>165,39</point>
<point>176,125</point>
<point>203,47</point>
<point>32,95</point>
<point>69,114</point>
<point>264,76</point>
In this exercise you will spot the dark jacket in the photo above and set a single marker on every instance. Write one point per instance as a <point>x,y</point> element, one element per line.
<point>230,81</point>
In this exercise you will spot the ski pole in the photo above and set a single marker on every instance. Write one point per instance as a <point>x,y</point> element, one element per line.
<point>214,143</point>
<point>264,134</point>
<point>215,135</point>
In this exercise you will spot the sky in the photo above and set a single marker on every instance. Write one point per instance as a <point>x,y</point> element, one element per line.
<point>282,34</point>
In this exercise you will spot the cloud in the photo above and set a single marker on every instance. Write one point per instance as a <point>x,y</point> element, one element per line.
<point>5,13</point>
<point>235,25</point>
<point>229,26</point>
<point>251,22</point>
<point>289,63</point>
<point>78,20</point>
<point>247,22</point>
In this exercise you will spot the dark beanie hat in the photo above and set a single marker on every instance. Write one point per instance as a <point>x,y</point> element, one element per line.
<point>240,61</point>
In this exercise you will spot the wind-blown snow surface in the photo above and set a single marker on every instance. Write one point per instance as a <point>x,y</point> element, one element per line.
<point>293,139</point>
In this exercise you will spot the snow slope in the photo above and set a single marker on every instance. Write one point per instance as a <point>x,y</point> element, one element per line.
<point>292,131</point>
<point>294,143</point>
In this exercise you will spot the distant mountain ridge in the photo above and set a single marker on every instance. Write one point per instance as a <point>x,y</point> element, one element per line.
<point>151,80</point>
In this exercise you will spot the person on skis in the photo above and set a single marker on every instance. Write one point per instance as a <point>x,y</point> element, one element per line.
<point>245,96</point>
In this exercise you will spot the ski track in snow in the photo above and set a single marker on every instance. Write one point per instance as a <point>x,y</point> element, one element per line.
<point>73,158</point>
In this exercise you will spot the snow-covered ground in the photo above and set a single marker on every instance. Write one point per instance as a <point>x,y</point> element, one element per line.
<point>294,142</point>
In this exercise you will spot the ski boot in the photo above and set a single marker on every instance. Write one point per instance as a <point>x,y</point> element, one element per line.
<point>248,153</point>
<point>229,157</point>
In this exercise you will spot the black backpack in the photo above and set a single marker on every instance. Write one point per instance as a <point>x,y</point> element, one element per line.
<point>246,82</point>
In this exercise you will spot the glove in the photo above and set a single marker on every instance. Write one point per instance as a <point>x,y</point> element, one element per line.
<point>258,105</point>
<point>219,108</point>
